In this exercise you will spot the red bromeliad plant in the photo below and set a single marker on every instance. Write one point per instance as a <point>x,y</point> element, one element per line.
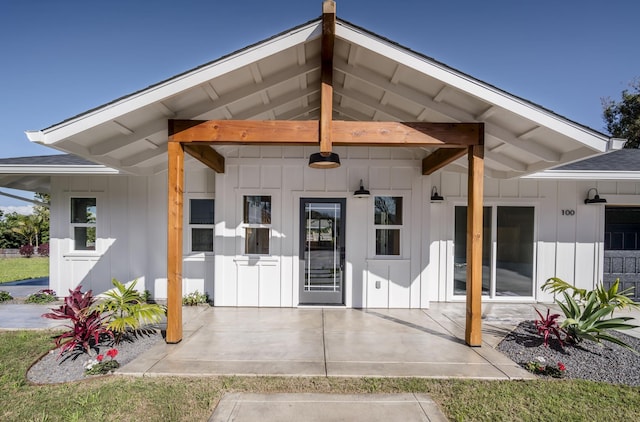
<point>549,325</point>
<point>86,325</point>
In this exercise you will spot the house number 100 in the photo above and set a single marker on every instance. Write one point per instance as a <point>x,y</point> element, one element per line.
<point>568,212</point>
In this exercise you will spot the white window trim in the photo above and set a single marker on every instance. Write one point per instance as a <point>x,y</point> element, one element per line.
<point>71,251</point>
<point>404,235</point>
<point>187,236</point>
<point>245,226</point>
<point>494,215</point>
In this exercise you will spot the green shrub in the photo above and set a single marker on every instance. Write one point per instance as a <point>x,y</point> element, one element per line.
<point>5,296</point>
<point>195,298</point>
<point>604,297</point>
<point>127,309</point>
<point>43,296</point>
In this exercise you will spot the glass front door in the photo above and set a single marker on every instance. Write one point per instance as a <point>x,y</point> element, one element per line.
<point>322,251</point>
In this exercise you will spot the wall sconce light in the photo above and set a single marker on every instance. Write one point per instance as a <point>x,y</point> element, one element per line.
<point>596,198</point>
<point>435,196</point>
<point>319,161</point>
<point>362,192</point>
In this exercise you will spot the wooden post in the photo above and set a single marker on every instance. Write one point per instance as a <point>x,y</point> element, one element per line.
<point>174,240</point>
<point>473,331</point>
<point>326,75</point>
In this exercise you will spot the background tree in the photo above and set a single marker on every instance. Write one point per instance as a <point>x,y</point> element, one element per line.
<point>42,212</point>
<point>623,117</point>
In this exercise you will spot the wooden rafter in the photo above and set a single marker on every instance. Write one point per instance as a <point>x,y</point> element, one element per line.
<point>326,73</point>
<point>207,156</point>
<point>441,158</point>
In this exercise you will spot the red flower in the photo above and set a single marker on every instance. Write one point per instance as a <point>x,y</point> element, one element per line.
<point>112,353</point>
<point>561,366</point>
<point>99,358</point>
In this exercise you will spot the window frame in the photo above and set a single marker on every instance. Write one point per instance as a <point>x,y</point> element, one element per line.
<point>191,226</point>
<point>244,226</point>
<point>401,228</point>
<point>73,225</point>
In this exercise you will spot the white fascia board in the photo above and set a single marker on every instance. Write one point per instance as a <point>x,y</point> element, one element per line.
<point>590,138</point>
<point>584,175</point>
<point>175,85</point>
<point>54,169</point>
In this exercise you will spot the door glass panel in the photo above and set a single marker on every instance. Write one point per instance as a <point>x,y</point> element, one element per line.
<point>322,249</point>
<point>460,251</point>
<point>514,252</point>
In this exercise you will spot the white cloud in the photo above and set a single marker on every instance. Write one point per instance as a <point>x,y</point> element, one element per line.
<point>20,209</point>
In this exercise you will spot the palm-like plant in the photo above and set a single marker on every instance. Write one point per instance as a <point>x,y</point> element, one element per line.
<point>587,321</point>
<point>604,297</point>
<point>127,309</point>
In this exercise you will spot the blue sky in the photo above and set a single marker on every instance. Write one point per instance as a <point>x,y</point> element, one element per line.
<point>61,58</point>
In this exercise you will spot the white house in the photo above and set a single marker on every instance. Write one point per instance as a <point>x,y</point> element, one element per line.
<point>260,227</point>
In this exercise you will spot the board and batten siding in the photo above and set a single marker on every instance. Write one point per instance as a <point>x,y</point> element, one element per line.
<point>283,174</point>
<point>131,233</point>
<point>569,234</point>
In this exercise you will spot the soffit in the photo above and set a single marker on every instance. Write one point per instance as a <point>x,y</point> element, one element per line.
<point>374,80</point>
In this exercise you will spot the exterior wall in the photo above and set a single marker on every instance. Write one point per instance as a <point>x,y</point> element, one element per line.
<point>131,228</point>
<point>273,280</point>
<point>131,233</point>
<point>569,244</point>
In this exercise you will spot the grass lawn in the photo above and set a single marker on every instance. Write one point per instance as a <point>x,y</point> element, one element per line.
<point>117,398</point>
<point>12,269</point>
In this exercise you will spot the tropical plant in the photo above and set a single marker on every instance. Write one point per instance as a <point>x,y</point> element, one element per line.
<point>549,325</point>
<point>195,298</point>
<point>127,310</point>
<point>5,296</point>
<point>86,324</point>
<point>604,297</point>
<point>42,296</point>
<point>587,321</point>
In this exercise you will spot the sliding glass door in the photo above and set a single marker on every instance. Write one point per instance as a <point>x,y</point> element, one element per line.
<point>507,251</point>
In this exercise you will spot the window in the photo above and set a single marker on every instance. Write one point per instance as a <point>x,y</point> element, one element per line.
<point>507,251</point>
<point>257,224</point>
<point>201,224</point>
<point>387,219</point>
<point>83,223</point>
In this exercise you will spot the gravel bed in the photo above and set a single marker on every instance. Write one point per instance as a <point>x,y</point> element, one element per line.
<point>53,368</point>
<point>605,362</point>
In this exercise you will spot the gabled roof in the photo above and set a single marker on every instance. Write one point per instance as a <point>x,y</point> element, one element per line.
<point>617,165</point>
<point>34,173</point>
<point>279,78</point>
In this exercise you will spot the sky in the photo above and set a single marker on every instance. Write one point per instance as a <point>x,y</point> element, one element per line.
<point>61,58</point>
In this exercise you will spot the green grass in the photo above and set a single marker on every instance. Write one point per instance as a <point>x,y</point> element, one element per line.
<point>119,398</point>
<point>12,269</point>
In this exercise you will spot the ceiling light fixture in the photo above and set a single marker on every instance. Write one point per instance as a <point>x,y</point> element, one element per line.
<point>318,160</point>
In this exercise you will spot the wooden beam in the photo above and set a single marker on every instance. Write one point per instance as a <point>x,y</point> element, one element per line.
<point>473,331</point>
<point>441,158</point>
<point>206,155</point>
<point>174,241</point>
<point>406,134</point>
<point>265,132</point>
<point>326,75</point>
<point>345,133</point>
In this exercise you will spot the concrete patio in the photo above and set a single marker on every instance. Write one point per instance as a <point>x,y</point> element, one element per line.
<point>336,342</point>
